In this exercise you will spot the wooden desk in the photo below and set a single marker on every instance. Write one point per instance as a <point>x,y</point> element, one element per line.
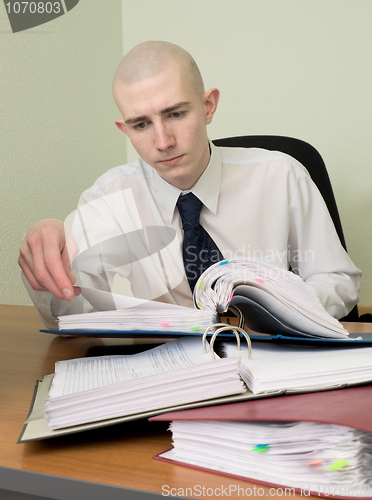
<point>117,457</point>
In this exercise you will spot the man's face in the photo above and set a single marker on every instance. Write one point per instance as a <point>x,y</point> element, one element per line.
<point>165,121</point>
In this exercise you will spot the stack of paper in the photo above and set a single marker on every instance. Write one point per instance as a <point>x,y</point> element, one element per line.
<point>90,389</point>
<point>269,297</point>
<point>300,368</point>
<point>120,313</point>
<point>162,320</point>
<point>330,460</point>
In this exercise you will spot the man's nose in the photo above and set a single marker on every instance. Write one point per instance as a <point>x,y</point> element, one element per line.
<point>164,137</point>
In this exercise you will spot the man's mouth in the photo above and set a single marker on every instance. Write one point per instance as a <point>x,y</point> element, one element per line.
<point>170,162</point>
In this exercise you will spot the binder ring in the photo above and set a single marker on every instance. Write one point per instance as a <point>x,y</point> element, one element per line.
<point>236,309</point>
<point>224,327</point>
<point>221,325</point>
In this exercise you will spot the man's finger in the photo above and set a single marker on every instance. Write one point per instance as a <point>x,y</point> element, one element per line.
<point>59,274</point>
<point>41,260</point>
<point>48,269</point>
<point>29,274</point>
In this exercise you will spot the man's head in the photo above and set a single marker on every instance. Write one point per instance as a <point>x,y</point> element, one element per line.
<point>160,94</point>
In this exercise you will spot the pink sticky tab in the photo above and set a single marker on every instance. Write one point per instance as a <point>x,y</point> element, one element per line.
<point>164,323</point>
<point>231,296</point>
<point>259,281</point>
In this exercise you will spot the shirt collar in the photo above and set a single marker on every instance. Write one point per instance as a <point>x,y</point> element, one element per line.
<point>207,187</point>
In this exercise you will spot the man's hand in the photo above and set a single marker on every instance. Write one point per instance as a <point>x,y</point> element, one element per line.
<point>45,258</point>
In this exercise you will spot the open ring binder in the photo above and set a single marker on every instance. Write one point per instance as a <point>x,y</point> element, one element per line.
<point>223,328</point>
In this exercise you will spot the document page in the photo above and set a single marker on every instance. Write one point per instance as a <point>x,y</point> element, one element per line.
<point>82,374</point>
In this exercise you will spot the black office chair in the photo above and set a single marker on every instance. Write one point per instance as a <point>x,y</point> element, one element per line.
<point>311,160</point>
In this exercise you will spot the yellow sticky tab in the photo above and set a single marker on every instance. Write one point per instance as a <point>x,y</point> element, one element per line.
<point>338,465</point>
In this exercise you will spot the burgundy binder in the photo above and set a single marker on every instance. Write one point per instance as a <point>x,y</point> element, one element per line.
<point>351,407</point>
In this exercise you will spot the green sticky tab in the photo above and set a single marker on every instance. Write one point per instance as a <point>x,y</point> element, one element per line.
<point>194,328</point>
<point>200,284</point>
<point>338,465</point>
<point>261,447</point>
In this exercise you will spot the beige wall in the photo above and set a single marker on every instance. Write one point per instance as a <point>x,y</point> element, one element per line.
<point>285,67</point>
<point>56,130</point>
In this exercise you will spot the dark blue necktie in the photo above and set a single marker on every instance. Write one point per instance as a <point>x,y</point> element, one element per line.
<point>199,250</point>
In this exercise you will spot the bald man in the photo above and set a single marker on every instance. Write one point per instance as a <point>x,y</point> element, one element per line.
<point>255,203</point>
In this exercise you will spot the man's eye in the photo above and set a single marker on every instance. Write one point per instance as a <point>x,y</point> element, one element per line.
<point>140,126</point>
<point>177,114</point>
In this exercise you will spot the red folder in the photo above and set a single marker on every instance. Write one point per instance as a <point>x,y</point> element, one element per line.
<point>351,407</point>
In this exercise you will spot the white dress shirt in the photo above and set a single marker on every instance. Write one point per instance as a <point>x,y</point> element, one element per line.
<point>258,204</point>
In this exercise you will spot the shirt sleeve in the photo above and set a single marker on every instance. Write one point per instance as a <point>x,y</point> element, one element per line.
<point>315,250</point>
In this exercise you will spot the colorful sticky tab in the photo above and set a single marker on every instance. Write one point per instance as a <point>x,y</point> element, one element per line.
<point>231,296</point>
<point>193,328</point>
<point>338,465</point>
<point>259,280</point>
<point>164,323</point>
<point>199,305</point>
<point>261,447</point>
<point>200,284</point>
<point>223,262</point>
<point>319,462</point>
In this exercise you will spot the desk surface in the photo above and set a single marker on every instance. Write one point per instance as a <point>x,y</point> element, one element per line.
<point>120,455</point>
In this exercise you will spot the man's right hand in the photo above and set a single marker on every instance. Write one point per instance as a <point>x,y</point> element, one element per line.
<point>45,258</point>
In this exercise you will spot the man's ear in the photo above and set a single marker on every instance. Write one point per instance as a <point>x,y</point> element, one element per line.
<point>121,125</point>
<point>210,99</point>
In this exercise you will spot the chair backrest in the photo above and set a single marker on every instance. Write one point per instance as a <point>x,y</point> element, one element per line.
<point>310,159</point>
